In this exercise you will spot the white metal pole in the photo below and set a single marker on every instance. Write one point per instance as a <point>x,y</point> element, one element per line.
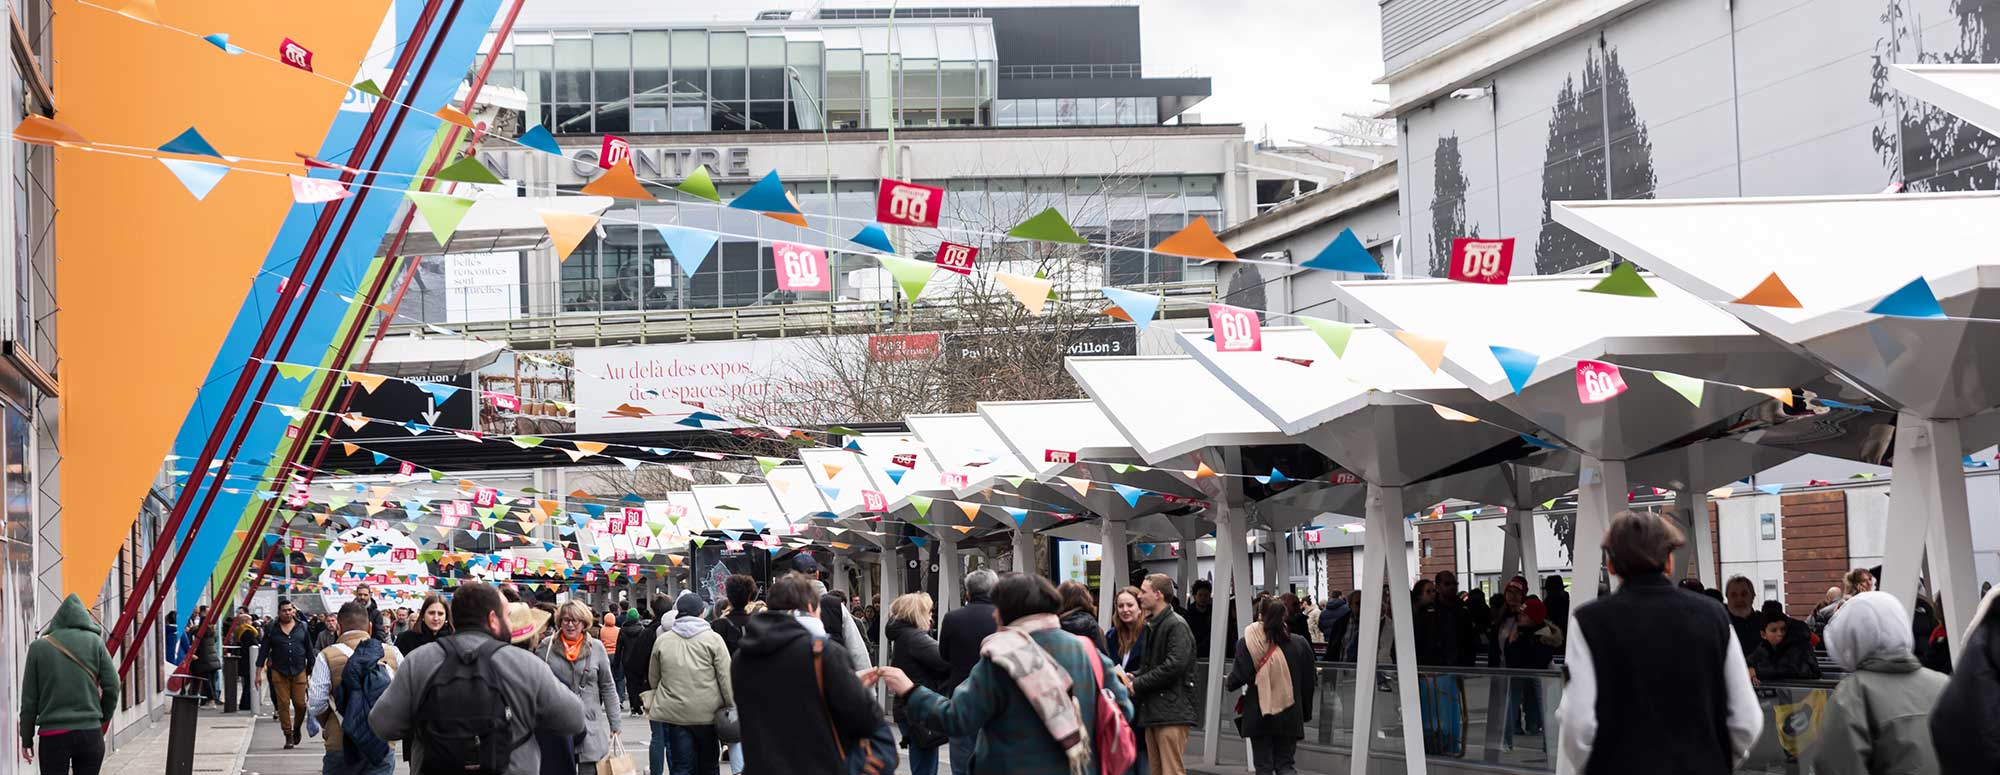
<point>1601,493</point>
<point>951,573</point>
<point>1111,570</point>
<point>1228,521</point>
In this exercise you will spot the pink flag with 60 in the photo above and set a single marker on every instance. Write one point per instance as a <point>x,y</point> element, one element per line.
<point>1598,382</point>
<point>801,267</point>
<point>1236,329</point>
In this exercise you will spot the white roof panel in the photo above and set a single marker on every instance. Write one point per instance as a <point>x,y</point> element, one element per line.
<point>738,506</point>
<point>967,445</point>
<point>795,492</point>
<point>1034,428</point>
<point>1298,398</point>
<point>1170,406</point>
<point>1971,92</point>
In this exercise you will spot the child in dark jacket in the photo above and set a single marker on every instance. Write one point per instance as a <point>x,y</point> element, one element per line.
<point>1784,651</point>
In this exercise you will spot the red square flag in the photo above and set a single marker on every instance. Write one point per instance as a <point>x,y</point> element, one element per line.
<point>874,501</point>
<point>634,517</point>
<point>1236,329</point>
<point>291,53</point>
<point>1598,382</point>
<point>1058,456</point>
<point>1485,261</point>
<point>800,267</point>
<point>956,257</point>
<point>908,204</point>
<point>614,152</point>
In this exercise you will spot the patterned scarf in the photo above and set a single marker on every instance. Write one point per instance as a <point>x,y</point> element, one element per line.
<point>1274,673</point>
<point>1045,683</point>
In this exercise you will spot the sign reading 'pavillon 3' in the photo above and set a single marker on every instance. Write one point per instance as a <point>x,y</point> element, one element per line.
<point>650,162</point>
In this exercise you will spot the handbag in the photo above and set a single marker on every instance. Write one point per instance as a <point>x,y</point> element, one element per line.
<point>618,762</point>
<point>876,753</point>
<point>727,727</point>
<point>1116,749</point>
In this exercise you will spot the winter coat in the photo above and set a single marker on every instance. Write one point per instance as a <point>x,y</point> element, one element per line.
<point>915,652</point>
<point>960,635</point>
<point>590,678</point>
<point>1968,711</point>
<point>635,652</point>
<point>1823,616</point>
<point>57,693</point>
<point>731,629</point>
<point>1791,660</point>
<point>788,723</point>
<point>1332,623</point>
<point>1129,660</point>
<point>1082,623</point>
<point>689,673</point>
<point>420,636</point>
<point>537,700</point>
<point>1290,722</point>
<point>207,654</point>
<point>1164,686</point>
<point>1526,651</point>
<point>1012,738</point>
<point>1876,721</point>
<point>287,653</point>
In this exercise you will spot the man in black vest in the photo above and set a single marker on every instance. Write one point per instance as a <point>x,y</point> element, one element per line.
<point>1656,680</point>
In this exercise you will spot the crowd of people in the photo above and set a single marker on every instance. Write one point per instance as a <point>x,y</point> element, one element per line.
<point>1026,676</point>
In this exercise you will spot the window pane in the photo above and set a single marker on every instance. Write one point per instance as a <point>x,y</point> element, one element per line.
<point>805,89</point>
<point>619,256</point>
<point>612,64</point>
<point>573,70</point>
<point>767,68</point>
<point>767,114</point>
<point>728,64</point>
<point>535,63</point>
<point>728,116</point>
<point>741,271</point>
<point>572,119</point>
<point>652,119</point>
<point>690,58</point>
<point>1107,110</point>
<point>650,63</point>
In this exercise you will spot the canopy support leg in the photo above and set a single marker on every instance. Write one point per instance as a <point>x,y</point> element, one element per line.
<point>1228,531</point>
<point>1929,490</point>
<point>951,574</point>
<point>1601,493</point>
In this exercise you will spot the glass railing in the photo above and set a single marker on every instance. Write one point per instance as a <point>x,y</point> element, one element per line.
<point>1507,718</point>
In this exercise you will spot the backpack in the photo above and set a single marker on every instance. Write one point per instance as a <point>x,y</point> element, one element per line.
<point>874,753</point>
<point>362,682</point>
<point>465,719</point>
<point>1116,749</point>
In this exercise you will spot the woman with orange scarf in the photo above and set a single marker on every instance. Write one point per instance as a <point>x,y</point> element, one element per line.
<point>580,663</point>
<point>1277,665</point>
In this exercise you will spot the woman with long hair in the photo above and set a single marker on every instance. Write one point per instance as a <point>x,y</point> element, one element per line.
<point>1128,627</point>
<point>1277,666</point>
<point>580,663</point>
<point>915,652</point>
<point>1079,613</point>
<point>433,622</point>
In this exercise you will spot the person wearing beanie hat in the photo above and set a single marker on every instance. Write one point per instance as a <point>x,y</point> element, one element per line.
<point>689,673</point>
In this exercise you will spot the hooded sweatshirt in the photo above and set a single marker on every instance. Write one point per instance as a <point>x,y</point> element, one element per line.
<point>689,673</point>
<point>1877,719</point>
<point>58,694</point>
<point>789,717</point>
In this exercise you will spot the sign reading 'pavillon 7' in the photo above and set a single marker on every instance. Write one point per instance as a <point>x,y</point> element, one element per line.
<point>908,204</point>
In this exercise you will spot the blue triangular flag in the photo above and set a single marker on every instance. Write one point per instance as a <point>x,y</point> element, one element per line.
<point>1146,549</point>
<point>190,142</point>
<point>1278,477</point>
<point>1140,307</point>
<point>1020,515</point>
<point>266,495</point>
<point>199,177</point>
<point>1914,300</point>
<point>1519,365</point>
<point>873,237</point>
<point>758,525</point>
<point>221,40</point>
<point>831,493</point>
<point>1345,254</point>
<point>443,391</point>
<point>1538,443</point>
<point>919,541</point>
<point>703,416</point>
<point>539,138</point>
<point>852,445</point>
<point>632,497</point>
<point>895,474</point>
<point>690,246</point>
<point>567,530</point>
<point>379,457</point>
<point>1770,489</point>
<point>768,196</point>
<point>1129,493</point>
<point>596,510</point>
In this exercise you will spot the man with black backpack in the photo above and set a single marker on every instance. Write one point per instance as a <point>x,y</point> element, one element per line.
<point>348,678</point>
<point>472,706</point>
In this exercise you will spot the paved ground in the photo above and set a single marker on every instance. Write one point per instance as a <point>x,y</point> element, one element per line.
<point>220,740</point>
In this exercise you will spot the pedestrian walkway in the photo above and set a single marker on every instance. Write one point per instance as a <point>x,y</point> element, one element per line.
<point>219,743</point>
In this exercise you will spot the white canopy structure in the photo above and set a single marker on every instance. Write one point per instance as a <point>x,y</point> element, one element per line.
<point>1972,92</point>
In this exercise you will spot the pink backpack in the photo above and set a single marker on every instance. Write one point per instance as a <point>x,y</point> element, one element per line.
<point>1116,749</point>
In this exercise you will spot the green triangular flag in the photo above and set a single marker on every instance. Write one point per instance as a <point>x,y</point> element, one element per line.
<point>911,275</point>
<point>842,430</point>
<point>294,371</point>
<point>699,184</point>
<point>369,87</point>
<point>468,170</point>
<point>525,442</point>
<point>437,476</point>
<point>1016,480</point>
<point>921,504</point>
<point>442,211</point>
<point>1121,467</point>
<point>1623,281</point>
<point>1690,388</point>
<point>1048,226</point>
<point>768,463</point>
<point>1333,332</point>
<point>1042,274</point>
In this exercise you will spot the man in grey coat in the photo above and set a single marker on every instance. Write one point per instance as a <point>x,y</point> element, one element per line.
<point>536,700</point>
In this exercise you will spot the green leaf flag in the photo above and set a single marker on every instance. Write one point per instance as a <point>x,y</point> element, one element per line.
<point>1333,332</point>
<point>1048,226</point>
<point>1689,387</point>
<point>768,463</point>
<point>468,170</point>
<point>294,371</point>
<point>700,185</point>
<point>1623,281</point>
<point>369,87</point>
<point>921,504</point>
<point>442,211</point>
<point>911,275</point>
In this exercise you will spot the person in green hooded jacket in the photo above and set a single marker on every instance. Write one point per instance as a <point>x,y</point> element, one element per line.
<point>68,693</point>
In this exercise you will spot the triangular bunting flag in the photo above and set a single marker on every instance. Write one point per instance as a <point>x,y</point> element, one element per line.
<point>1019,516</point>
<point>1913,300</point>
<point>1202,471</point>
<point>767,196</point>
<point>294,371</point>
<point>874,238</point>
<point>619,183</point>
<point>1033,293</point>
<point>1770,489</point>
<point>911,275</point>
<point>1690,388</point>
<point>1518,364</point>
<point>143,10</point>
<point>451,115</point>
<point>590,447</point>
<point>921,504</point>
<point>526,442</point>
<point>442,211</point>
<point>768,463</point>
<point>689,246</point>
<point>1333,332</point>
<point>962,529</point>
<point>566,230</point>
<point>1138,307</point>
<point>1429,350</point>
<point>191,143</point>
<point>1345,254</point>
<point>367,86</point>
<point>1129,493</point>
<point>199,177</point>
<point>971,509</point>
<point>1623,280</point>
<point>699,185</point>
<point>443,391</point>
<point>1771,293</point>
<point>1079,484</point>
<point>46,131</point>
<point>468,170</point>
<point>1195,240</point>
<point>1781,395</point>
<point>539,138</point>
<point>368,382</point>
<point>1047,226</point>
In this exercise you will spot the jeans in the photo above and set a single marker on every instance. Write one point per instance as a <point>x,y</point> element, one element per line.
<point>923,761</point>
<point>1273,755</point>
<point>961,754</point>
<point>77,752</point>
<point>691,750</point>
<point>336,763</point>
<point>656,749</point>
<point>736,758</point>
<point>618,680</point>
<point>1524,709</point>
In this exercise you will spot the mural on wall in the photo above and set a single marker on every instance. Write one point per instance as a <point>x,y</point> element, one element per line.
<point>1925,148</point>
<point>1597,149</point>
<point>1448,205</point>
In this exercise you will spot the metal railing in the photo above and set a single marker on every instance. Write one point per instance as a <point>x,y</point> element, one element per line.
<point>595,329</point>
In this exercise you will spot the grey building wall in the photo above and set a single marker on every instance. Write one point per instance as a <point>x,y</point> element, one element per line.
<point>1694,98</point>
<point>1298,231</point>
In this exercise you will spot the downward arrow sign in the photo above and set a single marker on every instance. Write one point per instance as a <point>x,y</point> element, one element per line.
<point>431,417</point>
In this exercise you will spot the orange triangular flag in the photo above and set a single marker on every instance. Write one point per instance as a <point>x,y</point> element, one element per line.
<point>1781,395</point>
<point>795,219</point>
<point>355,421</point>
<point>590,447</point>
<point>1196,241</point>
<point>46,131</point>
<point>348,448</point>
<point>971,509</point>
<point>1204,472</point>
<point>549,507</point>
<point>619,183</point>
<point>1771,293</point>
<point>676,559</point>
<point>143,10</point>
<point>368,382</point>
<point>1117,313</point>
<point>566,230</point>
<point>781,486</point>
<point>831,470</point>
<point>1080,485</point>
<point>1428,350</point>
<point>1032,292</point>
<point>453,115</point>
<point>579,493</point>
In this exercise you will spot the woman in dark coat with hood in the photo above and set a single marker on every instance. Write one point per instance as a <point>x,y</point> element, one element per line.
<point>433,622</point>
<point>1277,666</point>
<point>1079,613</point>
<point>915,652</point>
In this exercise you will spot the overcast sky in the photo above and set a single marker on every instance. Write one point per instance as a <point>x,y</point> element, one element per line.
<point>1285,64</point>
